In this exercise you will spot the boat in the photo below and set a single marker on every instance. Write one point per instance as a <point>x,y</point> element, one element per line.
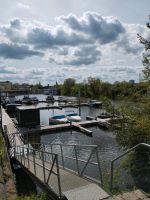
<point>104,115</point>
<point>73,117</point>
<point>27,100</point>
<point>49,98</point>
<point>58,119</point>
<point>62,99</point>
<point>34,100</point>
<point>94,103</point>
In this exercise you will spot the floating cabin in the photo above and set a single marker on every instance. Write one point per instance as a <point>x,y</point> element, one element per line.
<point>28,116</point>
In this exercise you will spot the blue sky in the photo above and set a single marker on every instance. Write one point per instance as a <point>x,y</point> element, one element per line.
<point>49,41</point>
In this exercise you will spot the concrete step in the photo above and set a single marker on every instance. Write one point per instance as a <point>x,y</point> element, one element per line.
<point>134,195</point>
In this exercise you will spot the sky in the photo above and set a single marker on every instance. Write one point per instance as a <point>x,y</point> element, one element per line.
<point>51,40</point>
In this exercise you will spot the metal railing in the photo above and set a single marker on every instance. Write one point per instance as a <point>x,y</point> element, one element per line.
<point>119,157</point>
<point>91,154</point>
<point>34,160</point>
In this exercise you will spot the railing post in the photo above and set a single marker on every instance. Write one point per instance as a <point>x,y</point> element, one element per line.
<point>51,150</point>
<point>43,167</point>
<point>77,163</point>
<point>28,157</point>
<point>99,167</point>
<point>21,154</point>
<point>14,151</point>
<point>111,176</point>
<point>58,175</point>
<point>34,161</point>
<point>62,155</point>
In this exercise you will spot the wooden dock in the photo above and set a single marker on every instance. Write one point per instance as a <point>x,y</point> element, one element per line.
<point>80,126</point>
<point>50,106</point>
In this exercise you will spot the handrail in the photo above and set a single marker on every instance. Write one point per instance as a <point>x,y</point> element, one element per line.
<point>80,172</point>
<point>23,157</point>
<point>120,156</point>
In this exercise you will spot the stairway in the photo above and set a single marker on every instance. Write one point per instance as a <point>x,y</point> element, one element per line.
<point>134,195</point>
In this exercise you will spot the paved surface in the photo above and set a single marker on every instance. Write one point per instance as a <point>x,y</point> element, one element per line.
<point>72,186</point>
<point>10,127</point>
<point>134,195</point>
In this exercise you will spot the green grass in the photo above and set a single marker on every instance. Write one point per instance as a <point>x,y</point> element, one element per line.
<point>32,197</point>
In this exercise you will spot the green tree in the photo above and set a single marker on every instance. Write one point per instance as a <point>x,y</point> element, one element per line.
<point>146,55</point>
<point>69,87</point>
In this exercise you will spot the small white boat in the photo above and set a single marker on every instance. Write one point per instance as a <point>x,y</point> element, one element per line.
<point>49,98</point>
<point>94,103</point>
<point>58,119</point>
<point>62,99</point>
<point>27,100</point>
<point>73,117</point>
<point>34,100</point>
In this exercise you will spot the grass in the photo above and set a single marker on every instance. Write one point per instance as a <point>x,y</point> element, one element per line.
<point>32,197</point>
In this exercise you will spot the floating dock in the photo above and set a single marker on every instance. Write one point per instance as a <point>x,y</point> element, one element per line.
<point>80,126</point>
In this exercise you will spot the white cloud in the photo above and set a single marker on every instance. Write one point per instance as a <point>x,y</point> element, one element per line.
<point>22,6</point>
<point>93,41</point>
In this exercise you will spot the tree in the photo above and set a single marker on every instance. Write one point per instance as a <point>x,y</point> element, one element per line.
<point>131,125</point>
<point>69,86</point>
<point>146,55</point>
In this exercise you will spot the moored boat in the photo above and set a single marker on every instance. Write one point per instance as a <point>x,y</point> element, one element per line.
<point>49,98</point>
<point>34,100</point>
<point>62,99</point>
<point>94,103</point>
<point>73,117</point>
<point>27,100</point>
<point>58,119</point>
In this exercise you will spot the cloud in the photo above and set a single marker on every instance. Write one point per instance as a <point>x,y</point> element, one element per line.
<point>7,70</point>
<point>43,38</point>
<point>72,41</point>
<point>84,55</point>
<point>22,6</point>
<point>13,51</point>
<point>103,29</point>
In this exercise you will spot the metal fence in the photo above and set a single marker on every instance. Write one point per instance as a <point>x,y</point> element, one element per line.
<point>81,159</point>
<point>132,171</point>
<point>34,160</point>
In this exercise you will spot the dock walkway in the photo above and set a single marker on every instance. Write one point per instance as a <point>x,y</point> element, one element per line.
<point>9,127</point>
<point>73,187</point>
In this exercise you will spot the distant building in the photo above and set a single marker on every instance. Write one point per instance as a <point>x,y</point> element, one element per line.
<point>50,91</point>
<point>131,81</point>
<point>5,85</point>
<point>17,86</point>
